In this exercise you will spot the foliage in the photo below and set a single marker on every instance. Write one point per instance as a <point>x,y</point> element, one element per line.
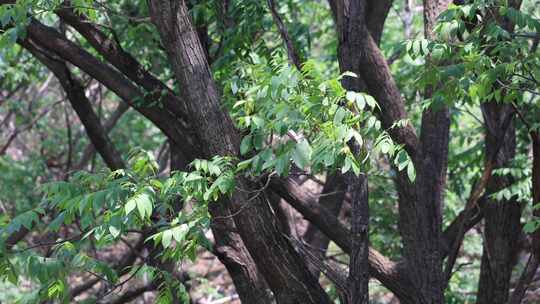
<point>290,120</point>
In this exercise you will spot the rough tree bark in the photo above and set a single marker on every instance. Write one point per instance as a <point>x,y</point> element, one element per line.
<point>284,270</point>
<point>358,280</point>
<point>420,202</point>
<point>232,253</point>
<point>501,218</point>
<point>534,259</point>
<point>50,39</point>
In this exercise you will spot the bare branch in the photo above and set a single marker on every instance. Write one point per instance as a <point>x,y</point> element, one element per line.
<point>76,96</point>
<point>292,52</point>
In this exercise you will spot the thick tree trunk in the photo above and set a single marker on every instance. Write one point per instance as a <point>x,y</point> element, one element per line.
<point>283,268</point>
<point>229,248</point>
<point>231,251</point>
<point>420,206</point>
<point>502,218</point>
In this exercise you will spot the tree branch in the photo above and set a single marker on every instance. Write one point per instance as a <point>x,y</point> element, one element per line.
<point>51,40</point>
<point>292,52</point>
<point>108,125</point>
<point>113,52</point>
<point>82,106</point>
<point>389,273</point>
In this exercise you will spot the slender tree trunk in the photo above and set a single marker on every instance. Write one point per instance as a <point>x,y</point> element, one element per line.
<point>502,226</point>
<point>359,266</point>
<point>534,259</point>
<point>502,218</point>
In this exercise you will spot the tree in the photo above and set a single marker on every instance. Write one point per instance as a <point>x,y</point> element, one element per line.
<point>245,120</point>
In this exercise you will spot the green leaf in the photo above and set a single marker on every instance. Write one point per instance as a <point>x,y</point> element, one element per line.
<point>531,226</point>
<point>143,201</point>
<point>244,164</point>
<point>302,154</point>
<point>179,233</point>
<point>385,147</point>
<point>360,102</point>
<point>282,165</point>
<point>115,232</point>
<point>131,204</point>
<point>347,166</point>
<point>144,205</point>
<point>370,101</point>
<point>338,117</point>
<point>351,96</point>
<point>167,238</point>
<point>411,173</point>
<point>245,145</point>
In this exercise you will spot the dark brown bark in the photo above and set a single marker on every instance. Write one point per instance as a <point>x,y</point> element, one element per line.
<point>535,138</point>
<point>292,52</point>
<point>82,106</point>
<point>229,248</point>
<point>376,13</point>
<point>525,279</point>
<point>502,218</point>
<point>357,291</point>
<point>392,275</point>
<point>420,202</point>
<point>333,192</point>
<point>502,226</point>
<point>282,267</point>
<point>111,50</point>
<point>232,252</point>
<point>465,220</point>
<point>319,216</point>
<point>371,67</point>
<point>282,212</point>
<point>534,259</point>
<point>50,39</point>
<point>353,35</point>
<point>233,255</point>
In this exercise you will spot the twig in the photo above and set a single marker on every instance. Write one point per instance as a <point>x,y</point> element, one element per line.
<point>27,127</point>
<point>292,52</point>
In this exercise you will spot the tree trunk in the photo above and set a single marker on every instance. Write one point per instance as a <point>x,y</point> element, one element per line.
<point>502,218</point>
<point>283,268</point>
<point>359,266</point>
